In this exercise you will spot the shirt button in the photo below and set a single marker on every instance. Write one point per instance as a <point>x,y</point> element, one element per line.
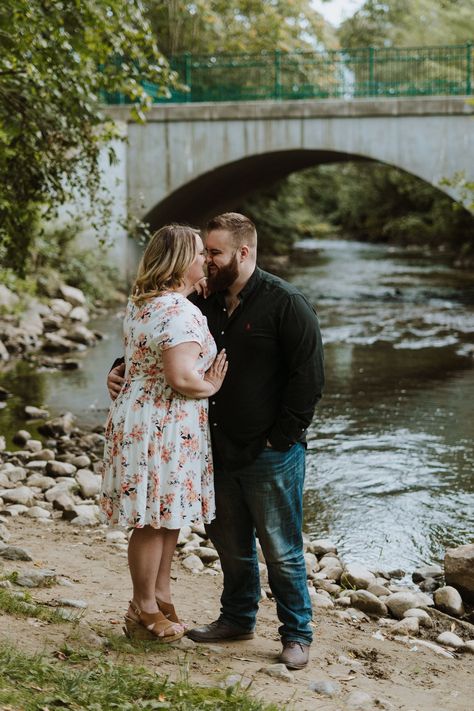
<point>213,402</point>
<point>224,310</point>
<point>214,424</point>
<point>222,333</point>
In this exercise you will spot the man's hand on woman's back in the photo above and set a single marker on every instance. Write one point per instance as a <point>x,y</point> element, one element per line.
<point>115,380</point>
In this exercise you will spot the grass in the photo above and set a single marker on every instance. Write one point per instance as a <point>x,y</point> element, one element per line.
<point>94,681</point>
<point>23,605</point>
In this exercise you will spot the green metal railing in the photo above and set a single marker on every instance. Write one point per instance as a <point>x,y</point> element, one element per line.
<point>345,73</point>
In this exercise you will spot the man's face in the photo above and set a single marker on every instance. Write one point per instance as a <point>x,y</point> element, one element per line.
<point>221,260</point>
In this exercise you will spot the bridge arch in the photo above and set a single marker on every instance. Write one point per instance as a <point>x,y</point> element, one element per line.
<point>189,160</point>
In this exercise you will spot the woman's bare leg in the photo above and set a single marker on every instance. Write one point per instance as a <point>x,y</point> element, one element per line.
<point>145,549</point>
<point>162,589</point>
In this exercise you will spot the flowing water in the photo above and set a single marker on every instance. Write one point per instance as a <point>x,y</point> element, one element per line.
<point>390,475</point>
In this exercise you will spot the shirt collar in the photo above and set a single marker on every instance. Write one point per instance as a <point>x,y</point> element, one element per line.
<point>248,288</point>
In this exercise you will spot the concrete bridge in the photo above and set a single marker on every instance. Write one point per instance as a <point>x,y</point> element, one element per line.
<point>191,160</point>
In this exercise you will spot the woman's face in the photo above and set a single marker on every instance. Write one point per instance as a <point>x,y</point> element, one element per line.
<point>196,270</point>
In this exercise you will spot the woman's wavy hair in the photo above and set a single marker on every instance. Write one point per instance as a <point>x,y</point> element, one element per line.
<point>169,254</point>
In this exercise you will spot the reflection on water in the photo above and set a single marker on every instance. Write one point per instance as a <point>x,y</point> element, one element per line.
<point>390,474</point>
<point>391,454</point>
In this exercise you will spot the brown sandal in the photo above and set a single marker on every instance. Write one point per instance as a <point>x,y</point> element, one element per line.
<point>150,626</point>
<point>167,608</point>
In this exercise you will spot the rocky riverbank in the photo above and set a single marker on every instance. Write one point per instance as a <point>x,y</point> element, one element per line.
<point>47,330</point>
<point>49,491</point>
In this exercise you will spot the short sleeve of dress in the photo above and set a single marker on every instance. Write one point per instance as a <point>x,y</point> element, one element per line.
<point>182,323</point>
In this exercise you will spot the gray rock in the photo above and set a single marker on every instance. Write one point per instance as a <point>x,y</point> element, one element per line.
<point>45,455</point>
<point>35,413</point>
<point>427,571</point>
<point>58,426</point>
<point>325,687</point>
<point>328,586</point>
<point>332,571</point>
<point>79,313</point>
<point>38,512</point>
<point>15,553</point>
<point>20,495</point>
<point>8,299</point>
<point>35,578</point>
<point>21,437</point>
<point>368,603</point>
<point>192,563</point>
<point>320,601</point>
<point>81,334</point>
<point>399,602</point>
<point>61,500</point>
<point>199,529</point>
<point>87,636</point>
<point>429,585</point>
<point>242,682</point>
<point>468,647</point>
<point>68,602</point>
<point>14,510</point>
<point>57,469</point>
<point>357,576</point>
<point>311,561</point>
<point>56,343</point>
<point>40,481</point>
<point>4,357</point>
<point>378,590</point>
<point>408,625</point>
<point>4,533</point>
<point>72,295</point>
<point>37,465</point>
<point>81,461</point>
<point>321,546</point>
<point>86,515</point>
<point>207,555</point>
<point>459,569</point>
<point>60,307</point>
<point>34,445</point>
<point>421,615</point>
<point>89,483</point>
<point>16,474</point>
<point>449,639</point>
<point>185,643</point>
<point>278,671</point>
<point>448,600</point>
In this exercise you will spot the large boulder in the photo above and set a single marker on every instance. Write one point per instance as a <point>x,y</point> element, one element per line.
<point>459,570</point>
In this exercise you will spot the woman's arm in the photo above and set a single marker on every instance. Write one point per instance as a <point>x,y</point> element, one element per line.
<point>180,367</point>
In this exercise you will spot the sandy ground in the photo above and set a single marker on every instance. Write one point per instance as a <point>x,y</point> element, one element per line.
<point>396,675</point>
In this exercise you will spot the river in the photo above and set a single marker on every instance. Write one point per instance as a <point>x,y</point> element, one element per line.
<point>390,467</point>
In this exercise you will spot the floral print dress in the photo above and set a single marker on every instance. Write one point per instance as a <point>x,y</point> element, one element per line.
<point>157,467</point>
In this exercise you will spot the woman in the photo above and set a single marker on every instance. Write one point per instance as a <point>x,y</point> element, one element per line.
<point>158,471</point>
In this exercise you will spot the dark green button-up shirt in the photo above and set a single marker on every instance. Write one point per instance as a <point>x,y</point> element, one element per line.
<point>276,370</point>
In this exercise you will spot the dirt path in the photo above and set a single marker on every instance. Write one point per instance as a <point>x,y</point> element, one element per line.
<point>395,675</point>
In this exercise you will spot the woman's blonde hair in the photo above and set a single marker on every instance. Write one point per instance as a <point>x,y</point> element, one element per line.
<point>169,254</point>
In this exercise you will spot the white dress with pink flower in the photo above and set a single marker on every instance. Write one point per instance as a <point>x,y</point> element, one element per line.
<point>157,462</point>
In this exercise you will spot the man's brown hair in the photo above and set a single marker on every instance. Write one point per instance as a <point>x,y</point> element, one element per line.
<point>242,229</point>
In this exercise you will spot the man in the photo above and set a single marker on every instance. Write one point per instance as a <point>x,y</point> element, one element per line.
<point>258,422</point>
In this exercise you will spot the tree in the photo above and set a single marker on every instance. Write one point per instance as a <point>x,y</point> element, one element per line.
<point>57,59</point>
<point>409,23</point>
<point>217,26</point>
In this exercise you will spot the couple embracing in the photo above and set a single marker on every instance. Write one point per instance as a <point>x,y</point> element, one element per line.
<point>211,406</point>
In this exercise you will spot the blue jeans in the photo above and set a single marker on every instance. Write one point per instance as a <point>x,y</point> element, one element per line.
<point>263,498</point>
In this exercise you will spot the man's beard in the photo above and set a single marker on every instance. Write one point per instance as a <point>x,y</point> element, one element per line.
<point>223,277</point>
